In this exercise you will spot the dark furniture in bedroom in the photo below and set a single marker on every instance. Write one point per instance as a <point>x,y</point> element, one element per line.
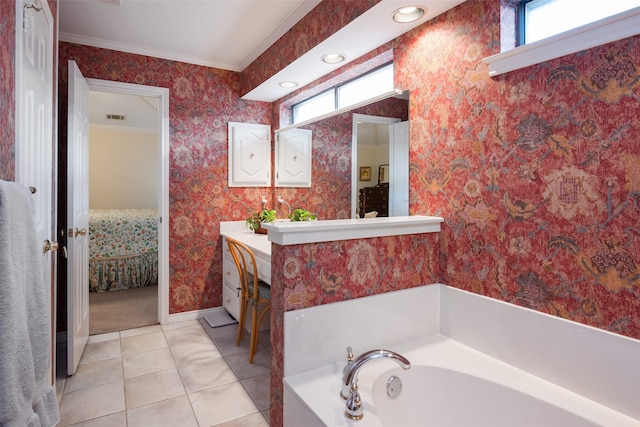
<point>374,199</point>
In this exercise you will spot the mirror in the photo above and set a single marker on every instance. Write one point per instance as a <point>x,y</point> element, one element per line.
<point>342,144</point>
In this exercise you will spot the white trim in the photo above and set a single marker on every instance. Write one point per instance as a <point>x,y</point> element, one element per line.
<point>145,51</point>
<point>355,173</point>
<point>616,27</point>
<point>163,194</point>
<point>193,315</point>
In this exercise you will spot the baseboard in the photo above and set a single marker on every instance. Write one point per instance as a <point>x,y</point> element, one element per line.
<point>193,315</point>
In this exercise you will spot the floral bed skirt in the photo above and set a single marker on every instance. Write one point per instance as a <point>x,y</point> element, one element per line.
<point>123,249</point>
<point>114,274</point>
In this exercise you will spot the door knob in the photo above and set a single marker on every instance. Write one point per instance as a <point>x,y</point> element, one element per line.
<point>50,246</point>
<point>82,232</point>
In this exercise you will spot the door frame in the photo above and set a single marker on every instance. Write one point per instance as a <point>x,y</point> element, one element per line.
<point>363,118</point>
<point>163,186</point>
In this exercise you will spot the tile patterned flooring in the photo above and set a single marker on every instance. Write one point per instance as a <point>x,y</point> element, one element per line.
<point>182,374</point>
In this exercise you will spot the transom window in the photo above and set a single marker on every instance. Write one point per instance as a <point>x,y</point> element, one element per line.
<point>540,19</point>
<point>368,85</point>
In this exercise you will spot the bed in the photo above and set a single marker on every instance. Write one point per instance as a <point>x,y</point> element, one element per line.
<point>123,249</point>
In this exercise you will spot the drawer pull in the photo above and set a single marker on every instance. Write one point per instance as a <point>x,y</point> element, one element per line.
<point>238,292</point>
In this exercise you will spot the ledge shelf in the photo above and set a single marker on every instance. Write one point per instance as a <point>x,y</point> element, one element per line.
<point>295,233</point>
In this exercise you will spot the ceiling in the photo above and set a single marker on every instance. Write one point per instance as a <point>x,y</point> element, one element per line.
<point>229,34</point>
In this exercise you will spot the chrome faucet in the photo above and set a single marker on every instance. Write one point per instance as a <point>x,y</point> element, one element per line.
<point>350,381</point>
<point>345,392</point>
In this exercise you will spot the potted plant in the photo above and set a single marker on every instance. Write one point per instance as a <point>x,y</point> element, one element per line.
<point>257,218</point>
<point>301,215</point>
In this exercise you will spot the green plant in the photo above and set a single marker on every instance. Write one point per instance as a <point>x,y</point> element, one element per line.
<point>256,218</point>
<point>301,215</point>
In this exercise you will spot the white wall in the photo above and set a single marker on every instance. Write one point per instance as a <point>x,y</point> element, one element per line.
<point>123,169</point>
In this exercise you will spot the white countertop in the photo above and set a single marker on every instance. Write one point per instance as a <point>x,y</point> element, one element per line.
<point>239,231</point>
<point>293,233</point>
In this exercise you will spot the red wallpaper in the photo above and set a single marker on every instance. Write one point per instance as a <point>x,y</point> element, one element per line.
<point>536,172</point>
<point>7,89</point>
<point>202,101</point>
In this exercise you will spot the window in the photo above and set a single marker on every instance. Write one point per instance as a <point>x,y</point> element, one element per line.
<point>368,85</point>
<point>315,106</point>
<point>615,27</point>
<point>540,19</point>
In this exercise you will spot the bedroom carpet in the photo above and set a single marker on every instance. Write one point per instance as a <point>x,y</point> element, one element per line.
<point>121,310</point>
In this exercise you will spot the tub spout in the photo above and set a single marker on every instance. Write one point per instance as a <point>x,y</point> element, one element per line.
<point>350,382</point>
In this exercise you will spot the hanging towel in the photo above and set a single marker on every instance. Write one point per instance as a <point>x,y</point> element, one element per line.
<point>26,397</point>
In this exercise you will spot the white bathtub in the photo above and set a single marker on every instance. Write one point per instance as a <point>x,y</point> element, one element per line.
<point>519,371</point>
<point>448,385</point>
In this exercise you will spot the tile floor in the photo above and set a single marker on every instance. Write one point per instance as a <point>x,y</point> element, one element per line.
<point>183,374</point>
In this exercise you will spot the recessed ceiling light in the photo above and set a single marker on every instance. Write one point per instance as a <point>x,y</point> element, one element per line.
<point>408,14</point>
<point>288,84</point>
<point>333,58</point>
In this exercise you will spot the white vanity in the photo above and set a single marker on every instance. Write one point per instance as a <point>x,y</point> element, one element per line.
<point>261,247</point>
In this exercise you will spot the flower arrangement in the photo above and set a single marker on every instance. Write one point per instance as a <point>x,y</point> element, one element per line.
<point>257,218</point>
<point>301,215</point>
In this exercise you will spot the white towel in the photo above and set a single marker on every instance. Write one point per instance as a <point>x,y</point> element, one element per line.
<point>26,397</point>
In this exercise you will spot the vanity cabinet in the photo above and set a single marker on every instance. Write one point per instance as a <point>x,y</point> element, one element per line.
<point>249,155</point>
<point>231,282</point>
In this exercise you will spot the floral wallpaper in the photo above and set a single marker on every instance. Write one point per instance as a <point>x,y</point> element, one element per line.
<point>202,101</point>
<point>536,172</point>
<point>7,89</point>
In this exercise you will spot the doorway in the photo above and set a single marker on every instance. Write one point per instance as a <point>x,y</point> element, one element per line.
<point>161,96</point>
<point>123,211</point>
<point>385,141</point>
<point>111,111</point>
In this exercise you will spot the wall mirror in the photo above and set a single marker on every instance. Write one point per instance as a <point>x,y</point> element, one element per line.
<point>363,136</point>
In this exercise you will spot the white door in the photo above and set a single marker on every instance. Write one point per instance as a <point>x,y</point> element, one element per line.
<point>34,121</point>
<point>399,169</point>
<point>77,218</point>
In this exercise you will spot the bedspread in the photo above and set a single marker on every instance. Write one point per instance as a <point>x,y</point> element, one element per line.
<point>123,248</point>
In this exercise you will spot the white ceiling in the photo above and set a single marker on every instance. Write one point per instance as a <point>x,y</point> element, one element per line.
<point>229,34</point>
<point>226,34</point>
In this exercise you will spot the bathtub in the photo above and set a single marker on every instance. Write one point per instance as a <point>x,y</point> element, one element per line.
<point>540,371</point>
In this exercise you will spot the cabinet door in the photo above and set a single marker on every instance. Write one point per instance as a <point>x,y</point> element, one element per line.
<point>249,155</point>
<point>230,288</point>
<point>293,158</point>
